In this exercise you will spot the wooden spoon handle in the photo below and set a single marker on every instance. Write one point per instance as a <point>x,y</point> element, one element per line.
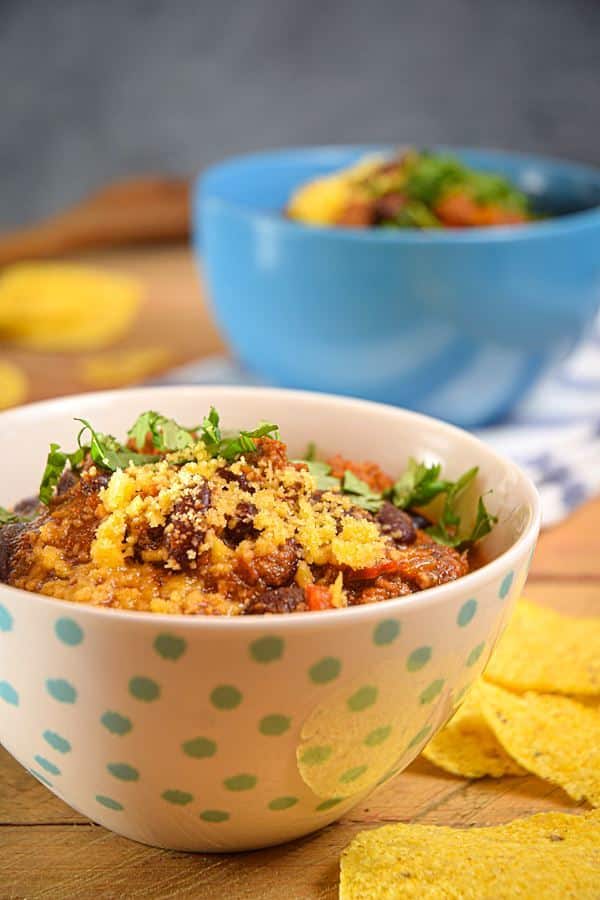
<point>137,210</point>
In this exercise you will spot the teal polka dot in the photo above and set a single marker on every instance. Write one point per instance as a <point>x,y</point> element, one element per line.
<point>419,737</point>
<point>199,748</point>
<point>61,690</point>
<point>225,696</point>
<point>170,647</point>
<point>144,689</point>
<point>327,669</point>
<point>8,693</point>
<point>241,782</point>
<point>352,774</point>
<point>280,803</point>
<point>68,632</point>
<point>109,803</point>
<point>6,620</point>
<point>314,756</point>
<point>475,654</point>
<point>123,771</point>
<point>386,632</point>
<point>40,777</point>
<point>274,725</point>
<point>418,658</point>
<point>328,804</point>
<point>61,744</point>
<point>178,798</point>
<point>466,613</point>
<point>378,736</point>
<point>266,649</point>
<point>214,815</point>
<point>46,765</point>
<point>116,723</point>
<point>431,691</point>
<point>363,698</point>
<point>506,585</point>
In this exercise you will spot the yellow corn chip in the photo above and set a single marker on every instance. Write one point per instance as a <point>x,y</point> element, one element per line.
<point>544,651</point>
<point>554,737</point>
<point>555,856</point>
<point>123,366</point>
<point>13,385</point>
<point>59,307</point>
<point>467,746</point>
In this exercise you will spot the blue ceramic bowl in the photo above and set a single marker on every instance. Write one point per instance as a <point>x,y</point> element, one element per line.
<point>457,324</point>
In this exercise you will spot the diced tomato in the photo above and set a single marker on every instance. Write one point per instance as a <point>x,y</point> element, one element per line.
<point>383,568</point>
<point>318,596</point>
<point>458,209</point>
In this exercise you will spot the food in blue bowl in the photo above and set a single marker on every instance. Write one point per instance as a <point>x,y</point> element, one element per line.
<point>456,322</point>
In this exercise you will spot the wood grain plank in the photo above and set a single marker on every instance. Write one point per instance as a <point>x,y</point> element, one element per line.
<point>572,548</point>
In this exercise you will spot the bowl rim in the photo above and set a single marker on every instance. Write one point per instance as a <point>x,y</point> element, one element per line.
<point>577,220</point>
<point>425,599</point>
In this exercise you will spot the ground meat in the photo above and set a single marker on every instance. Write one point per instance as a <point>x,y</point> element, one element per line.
<point>269,449</point>
<point>280,600</point>
<point>386,587</point>
<point>367,471</point>
<point>426,563</point>
<point>397,524</point>
<point>275,570</point>
<point>184,532</point>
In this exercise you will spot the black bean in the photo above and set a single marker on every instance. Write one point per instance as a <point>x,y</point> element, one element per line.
<point>419,521</point>
<point>9,538</point>
<point>396,523</point>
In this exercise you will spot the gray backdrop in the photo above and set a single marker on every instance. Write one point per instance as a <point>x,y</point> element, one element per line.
<point>96,89</point>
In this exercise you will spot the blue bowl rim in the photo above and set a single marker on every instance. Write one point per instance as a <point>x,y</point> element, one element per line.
<point>578,220</point>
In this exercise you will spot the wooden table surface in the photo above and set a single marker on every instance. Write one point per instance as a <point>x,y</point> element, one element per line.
<point>49,851</point>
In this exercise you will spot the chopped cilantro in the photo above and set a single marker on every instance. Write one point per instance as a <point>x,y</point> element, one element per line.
<point>9,518</point>
<point>321,472</point>
<point>166,434</point>
<point>362,494</point>
<point>107,452</point>
<point>418,486</point>
<point>55,466</point>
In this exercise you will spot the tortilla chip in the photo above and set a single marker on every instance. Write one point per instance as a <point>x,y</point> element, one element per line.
<point>58,307</point>
<point>544,651</point>
<point>554,737</point>
<point>467,746</point>
<point>554,856</point>
<point>13,385</point>
<point>123,366</point>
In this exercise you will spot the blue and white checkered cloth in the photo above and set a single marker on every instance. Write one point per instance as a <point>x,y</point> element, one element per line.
<point>554,434</point>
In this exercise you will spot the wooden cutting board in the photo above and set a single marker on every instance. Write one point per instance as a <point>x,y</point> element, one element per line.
<point>135,211</point>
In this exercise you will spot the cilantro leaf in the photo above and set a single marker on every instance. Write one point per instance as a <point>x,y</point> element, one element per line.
<point>418,486</point>
<point>321,472</point>
<point>362,494</point>
<point>210,432</point>
<point>107,452</point>
<point>446,530</point>
<point>9,518</point>
<point>484,522</point>
<point>166,434</point>
<point>243,441</point>
<point>55,466</point>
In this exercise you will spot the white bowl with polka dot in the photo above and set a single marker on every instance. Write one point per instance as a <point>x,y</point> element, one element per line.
<point>213,734</point>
